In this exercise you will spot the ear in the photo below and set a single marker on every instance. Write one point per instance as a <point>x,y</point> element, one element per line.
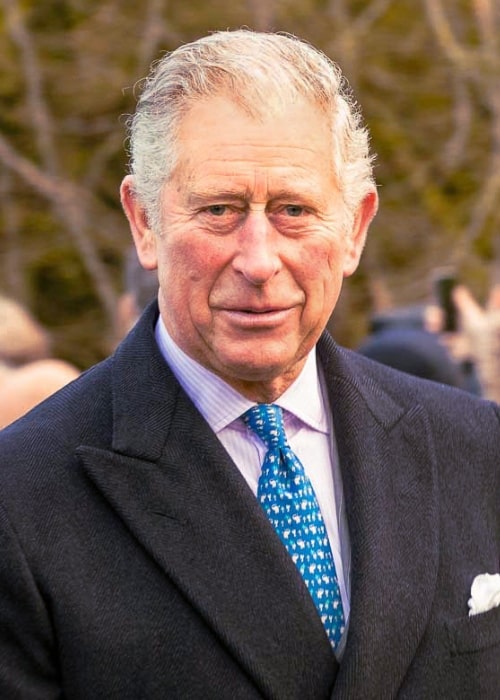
<point>357,237</point>
<point>144,237</point>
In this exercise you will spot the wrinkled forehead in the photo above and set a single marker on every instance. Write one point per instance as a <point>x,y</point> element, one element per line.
<point>221,145</point>
<point>262,97</point>
<point>271,116</point>
<point>240,113</point>
<point>226,116</point>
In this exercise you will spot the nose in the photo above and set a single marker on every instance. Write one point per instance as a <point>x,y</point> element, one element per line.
<point>257,258</point>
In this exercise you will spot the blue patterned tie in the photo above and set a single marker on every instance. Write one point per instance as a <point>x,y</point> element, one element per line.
<point>288,498</point>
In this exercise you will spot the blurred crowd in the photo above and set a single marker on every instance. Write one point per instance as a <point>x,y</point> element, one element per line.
<point>416,340</point>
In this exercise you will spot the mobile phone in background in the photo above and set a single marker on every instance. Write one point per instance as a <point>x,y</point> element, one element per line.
<point>444,284</point>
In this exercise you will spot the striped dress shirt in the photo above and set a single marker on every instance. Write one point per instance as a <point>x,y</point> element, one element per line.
<point>309,428</point>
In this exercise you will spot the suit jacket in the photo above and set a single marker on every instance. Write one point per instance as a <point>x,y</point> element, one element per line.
<point>136,563</point>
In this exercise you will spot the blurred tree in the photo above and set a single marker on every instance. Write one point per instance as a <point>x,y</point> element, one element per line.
<point>427,76</point>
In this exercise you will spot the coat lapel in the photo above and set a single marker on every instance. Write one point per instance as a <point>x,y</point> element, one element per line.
<point>170,480</point>
<point>389,478</point>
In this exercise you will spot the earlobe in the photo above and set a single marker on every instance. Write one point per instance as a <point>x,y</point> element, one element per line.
<point>357,237</point>
<point>144,237</point>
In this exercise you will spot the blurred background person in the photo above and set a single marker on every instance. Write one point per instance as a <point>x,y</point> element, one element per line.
<point>28,374</point>
<point>141,287</point>
<point>479,336</point>
<point>411,339</point>
<point>454,340</point>
<point>415,351</point>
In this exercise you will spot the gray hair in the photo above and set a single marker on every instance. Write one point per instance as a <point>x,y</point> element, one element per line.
<point>260,72</point>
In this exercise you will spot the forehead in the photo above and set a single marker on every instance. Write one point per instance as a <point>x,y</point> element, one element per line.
<point>217,137</point>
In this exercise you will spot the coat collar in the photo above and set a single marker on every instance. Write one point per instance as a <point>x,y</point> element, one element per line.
<point>390,489</point>
<point>172,482</point>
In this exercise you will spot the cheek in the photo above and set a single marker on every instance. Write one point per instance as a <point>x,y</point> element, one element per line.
<point>182,263</point>
<point>324,276</point>
<point>325,261</point>
<point>335,256</point>
<point>189,269</point>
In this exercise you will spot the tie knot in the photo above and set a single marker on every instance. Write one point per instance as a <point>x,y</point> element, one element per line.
<point>266,421</point>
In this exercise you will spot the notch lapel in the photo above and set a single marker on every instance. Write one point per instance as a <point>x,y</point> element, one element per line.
<point>390,490</point>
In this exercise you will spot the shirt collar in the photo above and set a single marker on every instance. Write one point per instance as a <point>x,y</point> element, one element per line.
<point>220,404</point>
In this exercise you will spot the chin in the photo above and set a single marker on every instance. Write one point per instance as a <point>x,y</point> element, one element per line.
<point>245,367</point>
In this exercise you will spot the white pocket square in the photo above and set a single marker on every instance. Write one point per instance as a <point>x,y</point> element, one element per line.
<point>485,593</point>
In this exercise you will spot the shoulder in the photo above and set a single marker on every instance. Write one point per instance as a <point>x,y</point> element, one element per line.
<point>82,410</point>
<point>119,390</point>
<point>26,386</point>
<point>433,426</point>
<point>447,407</point>
<point>67,417</point>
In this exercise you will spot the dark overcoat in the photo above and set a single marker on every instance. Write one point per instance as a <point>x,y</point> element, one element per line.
<point>135,563</point>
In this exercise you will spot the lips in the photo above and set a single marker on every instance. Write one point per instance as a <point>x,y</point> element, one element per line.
<point>254,307</point>
<point>256,318</point>
<point>269,310</point>
<point>254,310</point>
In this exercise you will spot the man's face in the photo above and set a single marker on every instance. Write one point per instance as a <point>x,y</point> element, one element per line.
<point>253,247</point>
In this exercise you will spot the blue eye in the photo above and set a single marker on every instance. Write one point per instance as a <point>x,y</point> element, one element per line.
<point>217,209</point>
<point>294,210</point>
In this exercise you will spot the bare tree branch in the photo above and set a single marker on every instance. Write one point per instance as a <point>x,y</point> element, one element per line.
<point>263,13</point>
<point>486,15</point>
<point>45,184</point>
<point>455,147</point>
<point>156,29</point>
<point>71,204</point>
<point>445,35</point>
<point>369,15</point>
<point>41,119</point>
<point>482,66</point>
<point>486,202</point>
<point>12,274</point>
<point>66,199</point>
<point>352,28</point>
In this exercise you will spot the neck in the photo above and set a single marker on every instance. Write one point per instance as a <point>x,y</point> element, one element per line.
<point>266,390</point>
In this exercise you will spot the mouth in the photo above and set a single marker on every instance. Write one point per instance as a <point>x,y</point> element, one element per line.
<point>267,310</point>
<point>257,317</point>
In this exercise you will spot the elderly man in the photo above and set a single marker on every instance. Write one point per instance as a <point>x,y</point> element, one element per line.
<point>231,506</point>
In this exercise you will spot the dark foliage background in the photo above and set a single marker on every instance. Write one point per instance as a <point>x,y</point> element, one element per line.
<point>426,72</point>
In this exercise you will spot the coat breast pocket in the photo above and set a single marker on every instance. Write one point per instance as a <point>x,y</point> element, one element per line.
<point>475,633</point>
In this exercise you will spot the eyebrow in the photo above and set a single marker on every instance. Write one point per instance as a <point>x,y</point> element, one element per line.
<point>226,195</point>
<point>197,198</point>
